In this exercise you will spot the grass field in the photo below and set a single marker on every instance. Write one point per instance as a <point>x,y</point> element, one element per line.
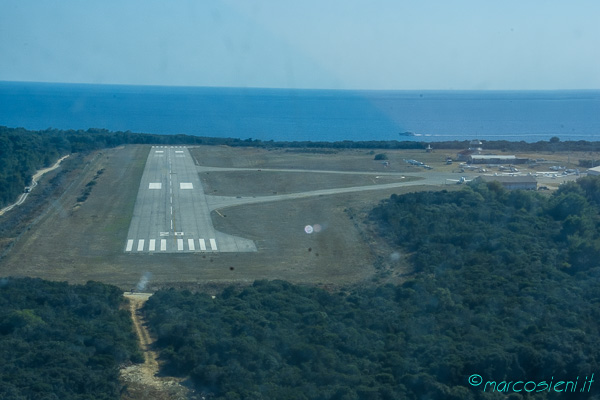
<point>77,241</point>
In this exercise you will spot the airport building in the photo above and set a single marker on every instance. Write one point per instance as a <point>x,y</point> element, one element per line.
<point>594,171</point>
<point>513,182</point>
<point>495,159</point>
<point>474,149</point>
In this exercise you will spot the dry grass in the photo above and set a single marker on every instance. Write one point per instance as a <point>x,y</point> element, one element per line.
<point>264,183</point>
<point>77,242</point>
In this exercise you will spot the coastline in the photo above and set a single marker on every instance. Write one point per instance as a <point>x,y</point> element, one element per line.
<point>304,114</point>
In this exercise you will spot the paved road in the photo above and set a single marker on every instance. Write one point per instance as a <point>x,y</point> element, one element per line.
<point>429,178</point>
<point>171,214</point>
<point>432,178</point>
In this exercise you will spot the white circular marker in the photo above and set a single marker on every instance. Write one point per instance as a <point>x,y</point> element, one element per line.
<point>308,229</point>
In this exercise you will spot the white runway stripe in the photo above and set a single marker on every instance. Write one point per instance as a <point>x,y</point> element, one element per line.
<point>140,245</point>
<point>191,245</point>
<point>179,244</point>
<point>152,245</point>
<point>202,245</point>
<point>163,244</point>
<point>129,245</point>
<point>213,244</point>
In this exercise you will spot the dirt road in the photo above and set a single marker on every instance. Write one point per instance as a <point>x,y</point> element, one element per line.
<point>34,181</point>
<point>141,379</point>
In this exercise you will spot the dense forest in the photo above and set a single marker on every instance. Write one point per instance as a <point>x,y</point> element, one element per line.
<point>507,288</point>
<point>61,341</point>
<point>22,152</point>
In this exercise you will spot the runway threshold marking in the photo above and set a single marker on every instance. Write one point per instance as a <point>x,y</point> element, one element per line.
<point>153,244</point>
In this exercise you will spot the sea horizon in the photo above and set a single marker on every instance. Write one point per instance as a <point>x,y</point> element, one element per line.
<point>282,114</point>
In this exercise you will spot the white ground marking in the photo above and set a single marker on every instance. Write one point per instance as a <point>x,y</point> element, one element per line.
<point>159,151</point>
<point>178,151</point>
<point>140,245</point>
<point>178,233</point>
<point>155,185</point>
<point>129,245</point>
<point>164,234</point>
<point>163,244</point>
<point>213,244</point>
<point>186,185</point>
<point>152,245</point>
<point>180,244</point>
<point>191,244</point>
<point>202,245</point>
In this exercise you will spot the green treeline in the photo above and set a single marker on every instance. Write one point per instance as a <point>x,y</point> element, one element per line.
<point>60,341</point>
<point>507,288</point>
<point>22,152</point>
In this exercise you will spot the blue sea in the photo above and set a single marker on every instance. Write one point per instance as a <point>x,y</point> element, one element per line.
<point>299,115</point>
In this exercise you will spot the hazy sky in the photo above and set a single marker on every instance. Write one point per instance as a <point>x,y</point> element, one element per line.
<point>339,44</point>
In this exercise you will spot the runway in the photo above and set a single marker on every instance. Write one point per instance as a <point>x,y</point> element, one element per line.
<point>171,214</point>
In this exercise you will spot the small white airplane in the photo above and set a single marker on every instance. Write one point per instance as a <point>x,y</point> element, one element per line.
<point>460,181</point>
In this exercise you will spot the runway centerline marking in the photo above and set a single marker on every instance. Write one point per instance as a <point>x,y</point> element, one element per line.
<point>159,215</point>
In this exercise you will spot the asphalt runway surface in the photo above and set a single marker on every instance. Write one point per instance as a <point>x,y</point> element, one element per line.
<point>171,214</point>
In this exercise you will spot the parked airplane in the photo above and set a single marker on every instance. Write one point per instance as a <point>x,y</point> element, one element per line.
<point>460,181</point>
